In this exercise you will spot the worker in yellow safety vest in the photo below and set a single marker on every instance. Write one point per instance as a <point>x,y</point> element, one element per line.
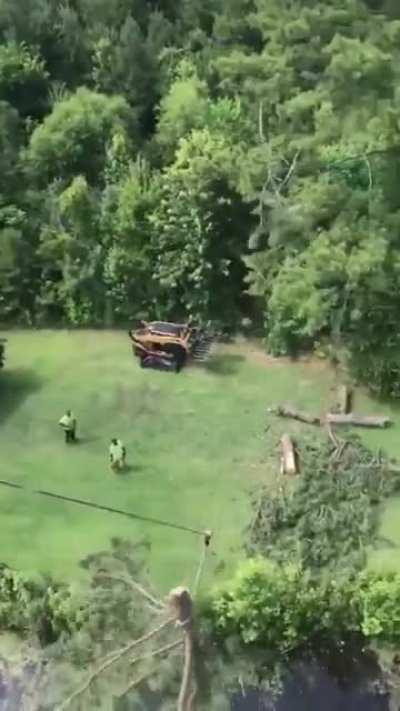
<point>117,455</point>
<point>68,424</point>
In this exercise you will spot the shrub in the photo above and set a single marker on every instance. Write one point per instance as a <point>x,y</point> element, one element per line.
<point>327,516</point>
<point>281,607</point>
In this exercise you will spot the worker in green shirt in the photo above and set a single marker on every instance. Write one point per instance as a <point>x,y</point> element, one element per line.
<point>68,424</point>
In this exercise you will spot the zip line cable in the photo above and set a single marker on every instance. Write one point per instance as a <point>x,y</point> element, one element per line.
<point>101,507</point>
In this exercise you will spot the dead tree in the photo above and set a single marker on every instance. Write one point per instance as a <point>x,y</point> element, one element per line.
<point>182,608</point>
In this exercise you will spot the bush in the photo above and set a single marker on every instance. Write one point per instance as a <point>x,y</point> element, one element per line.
<point>73,139</point>
<point>378,368</point>
<point>329,514</point>
<point>281,607</point>
<point>379,603</point>
<point>37,605</point>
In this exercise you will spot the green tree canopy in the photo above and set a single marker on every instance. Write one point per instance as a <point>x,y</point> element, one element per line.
<point>74,137</point>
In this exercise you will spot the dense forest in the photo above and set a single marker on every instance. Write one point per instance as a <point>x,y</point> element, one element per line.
<point>234,161</point>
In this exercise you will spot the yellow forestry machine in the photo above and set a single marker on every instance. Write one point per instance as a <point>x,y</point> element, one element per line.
<point>168,346</point>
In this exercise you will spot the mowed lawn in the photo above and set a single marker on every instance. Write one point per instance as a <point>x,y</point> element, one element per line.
<point>196,447</point>
<point>195,441</point>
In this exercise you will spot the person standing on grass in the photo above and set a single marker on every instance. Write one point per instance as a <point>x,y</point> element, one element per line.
<point>68,424</point>
<point>117,455</point>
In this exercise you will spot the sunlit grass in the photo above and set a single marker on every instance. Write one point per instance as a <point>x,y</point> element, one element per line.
<point>196,446</point>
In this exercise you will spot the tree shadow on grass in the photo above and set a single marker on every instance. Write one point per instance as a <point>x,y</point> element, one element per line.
<point>15,387</point>
<point>224,364</point>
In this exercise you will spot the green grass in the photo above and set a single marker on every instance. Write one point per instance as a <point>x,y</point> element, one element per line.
<point>195,442</point>
<point>196,447</point>
<point>386,554</point>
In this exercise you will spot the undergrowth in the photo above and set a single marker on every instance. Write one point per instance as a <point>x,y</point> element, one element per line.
<point>329,513</point>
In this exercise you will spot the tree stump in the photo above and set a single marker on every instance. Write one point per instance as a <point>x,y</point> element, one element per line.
<point>345,397</point>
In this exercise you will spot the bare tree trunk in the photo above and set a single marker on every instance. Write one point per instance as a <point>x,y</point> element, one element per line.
<point>108,313</point>
<point>182,606</point>
<point>288,460</point>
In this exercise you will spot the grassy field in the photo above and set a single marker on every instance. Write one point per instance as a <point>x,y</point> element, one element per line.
<point>386,554</point>
<point>196,446</point>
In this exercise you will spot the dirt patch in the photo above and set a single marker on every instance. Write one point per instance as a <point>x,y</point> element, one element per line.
<point>254,352</point>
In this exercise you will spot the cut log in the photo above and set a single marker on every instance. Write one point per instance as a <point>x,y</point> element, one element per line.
<point>288,459</point>
<point>332,418</point>
<point>358,420</point>
<point>345,399</point>
<point>288,411</point>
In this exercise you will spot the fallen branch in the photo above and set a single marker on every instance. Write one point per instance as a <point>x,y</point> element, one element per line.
<point>133,684</point>
<point>332,435</point>
<point>338,454</point>
<point>157,652</point>
<point>135,586</point>
<point>290,412</point>
<point>338,444</point>
<point>110,661</point>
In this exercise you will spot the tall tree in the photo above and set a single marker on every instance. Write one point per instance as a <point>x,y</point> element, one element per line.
<point>73,139</point>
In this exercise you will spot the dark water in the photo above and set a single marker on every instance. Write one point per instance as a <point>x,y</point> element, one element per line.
<point>313,687</point>
<point>343,681</point>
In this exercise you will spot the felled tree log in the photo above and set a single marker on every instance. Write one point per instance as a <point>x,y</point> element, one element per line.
<point>288,411</point>
<point>345,399</point>
<point>288,458</point>
<point>333,418</point>
<point>357,420</point>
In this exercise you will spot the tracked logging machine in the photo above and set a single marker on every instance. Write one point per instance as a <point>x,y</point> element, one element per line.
<point>168,346</point>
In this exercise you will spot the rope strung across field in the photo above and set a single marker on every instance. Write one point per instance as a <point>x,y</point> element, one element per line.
<point>101,507</point>
<point>203,557</point>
